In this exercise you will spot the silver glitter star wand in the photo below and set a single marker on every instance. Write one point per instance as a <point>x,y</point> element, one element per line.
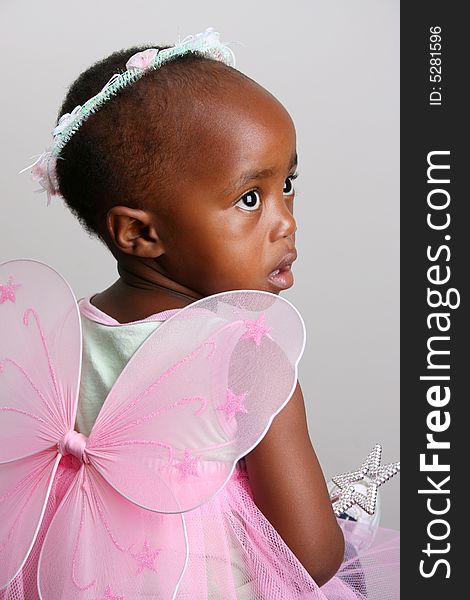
<point>361,487</point>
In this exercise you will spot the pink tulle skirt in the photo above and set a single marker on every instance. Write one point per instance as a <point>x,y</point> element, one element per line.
<point>236,554</point>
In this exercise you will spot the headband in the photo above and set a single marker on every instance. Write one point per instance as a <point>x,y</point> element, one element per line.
<point>206,43</point>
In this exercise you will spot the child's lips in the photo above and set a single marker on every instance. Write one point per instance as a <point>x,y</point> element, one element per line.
<point>282,279</point>
<point>282,276</point>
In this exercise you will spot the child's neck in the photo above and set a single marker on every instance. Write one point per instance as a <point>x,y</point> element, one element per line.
<point>127,303</point>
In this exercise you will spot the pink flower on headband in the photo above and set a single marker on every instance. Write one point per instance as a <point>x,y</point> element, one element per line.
<point>142,60</point>
<point>44,172</point>
<point>65,120</point>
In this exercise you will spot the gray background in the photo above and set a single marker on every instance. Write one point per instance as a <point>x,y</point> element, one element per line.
<point>334,65</point>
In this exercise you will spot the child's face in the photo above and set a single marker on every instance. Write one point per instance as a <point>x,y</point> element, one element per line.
<point>231,224</point>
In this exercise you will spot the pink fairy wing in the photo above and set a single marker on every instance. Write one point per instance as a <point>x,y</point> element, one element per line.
<point>24,488</point>
<point>112,548</point>
<point>40,357</point>
<point>198,395</point>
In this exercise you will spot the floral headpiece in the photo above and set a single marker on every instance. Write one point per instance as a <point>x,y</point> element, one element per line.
<point>206,43</point>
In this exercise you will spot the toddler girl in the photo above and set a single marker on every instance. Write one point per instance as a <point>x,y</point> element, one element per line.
<point>185,170</point>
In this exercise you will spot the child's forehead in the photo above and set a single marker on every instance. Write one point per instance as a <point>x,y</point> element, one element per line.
<point>243,107</point>
<point>252,102</point>
<point>240,139</point>
<point>219,94</point>
<point>249,124</point>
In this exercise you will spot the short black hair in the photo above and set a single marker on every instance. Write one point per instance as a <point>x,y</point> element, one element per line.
<point>126,152</point>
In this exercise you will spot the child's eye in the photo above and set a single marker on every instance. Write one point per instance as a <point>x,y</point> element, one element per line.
<point>249,201</point>
<point>288,189</point>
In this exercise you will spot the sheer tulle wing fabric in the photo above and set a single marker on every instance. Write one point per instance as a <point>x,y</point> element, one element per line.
<point>198,394</point>
<point>236,554</point>
<point>113,548</point>
<point>24,489</point>
<point>40,350</point>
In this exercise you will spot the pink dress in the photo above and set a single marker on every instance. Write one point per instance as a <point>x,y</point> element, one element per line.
<point>234,552</point>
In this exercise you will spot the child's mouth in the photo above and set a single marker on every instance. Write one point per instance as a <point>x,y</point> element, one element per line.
<point>282,276</point>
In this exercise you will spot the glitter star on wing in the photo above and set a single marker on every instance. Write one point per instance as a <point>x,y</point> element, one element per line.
<point>369,477</point>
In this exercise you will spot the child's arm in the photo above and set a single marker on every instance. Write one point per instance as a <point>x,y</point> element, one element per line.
<point>290,490</point>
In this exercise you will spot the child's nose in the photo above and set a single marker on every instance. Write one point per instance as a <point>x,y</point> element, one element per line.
<point>284,222</point>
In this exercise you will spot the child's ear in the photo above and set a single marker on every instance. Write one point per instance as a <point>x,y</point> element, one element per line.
<point>133,231</point>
